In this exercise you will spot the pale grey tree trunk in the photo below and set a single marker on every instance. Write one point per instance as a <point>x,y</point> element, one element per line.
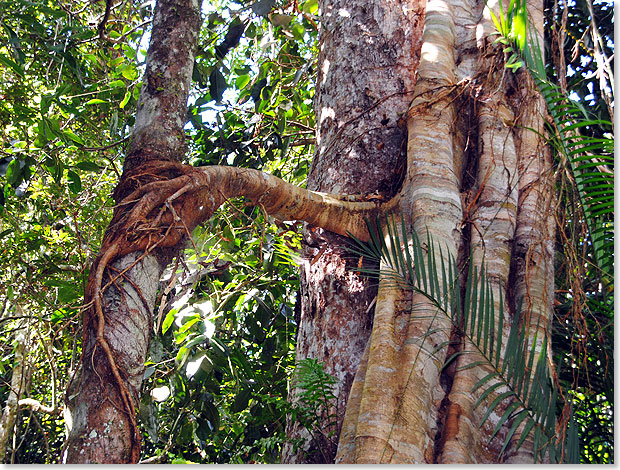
<point>17,386</point>
<point>102,396</point>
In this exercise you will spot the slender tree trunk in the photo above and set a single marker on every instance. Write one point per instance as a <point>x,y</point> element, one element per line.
<point>103,393</point>
<point>18,387</point>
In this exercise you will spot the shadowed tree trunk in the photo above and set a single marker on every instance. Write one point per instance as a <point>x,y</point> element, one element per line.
<point>431,127</point>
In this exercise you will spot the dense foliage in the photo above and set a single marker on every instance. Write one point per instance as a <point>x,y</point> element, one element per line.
<point>583,333</point>
<point>222,347</point>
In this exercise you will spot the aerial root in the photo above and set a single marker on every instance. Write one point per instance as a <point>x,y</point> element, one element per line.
<point>135,215</point>
<point>129,408</point>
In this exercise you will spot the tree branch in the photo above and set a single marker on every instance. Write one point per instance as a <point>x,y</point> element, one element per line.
<point>340,214</point>
<point>172,199</point>
<point>36,405</point>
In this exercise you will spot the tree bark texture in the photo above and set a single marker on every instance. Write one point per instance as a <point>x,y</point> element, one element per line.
<point>19,379</point>
<point>101,398</point>
<point>159,202</point>
<point>368,53</point>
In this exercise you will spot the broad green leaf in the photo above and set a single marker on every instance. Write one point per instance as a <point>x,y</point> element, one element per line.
<point>125,100</point>
<point>73,137</point>
<point>88,166</point>
<point>518,31</point>
<point>75,183</point>
<point>217,85</point>
<point>241,400</point>
<point>242,81</point>
<point>197,340</point>
<point>187,325</point>
<point>14,173</point>
<point>130,73</point>
<point>168,320</point>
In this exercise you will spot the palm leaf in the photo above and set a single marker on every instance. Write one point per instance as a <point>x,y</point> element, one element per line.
<point>515,371</point>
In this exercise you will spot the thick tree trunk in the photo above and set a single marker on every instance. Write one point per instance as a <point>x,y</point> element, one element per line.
<point>480,181</point>
<point>368,53</point>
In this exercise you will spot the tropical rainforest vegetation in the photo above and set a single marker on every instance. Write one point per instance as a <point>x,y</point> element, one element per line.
<point>221,362</point>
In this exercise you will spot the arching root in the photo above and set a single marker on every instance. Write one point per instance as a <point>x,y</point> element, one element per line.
<point>145,220</point>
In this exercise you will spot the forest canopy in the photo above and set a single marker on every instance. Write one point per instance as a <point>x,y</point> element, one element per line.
<point>221,361</point>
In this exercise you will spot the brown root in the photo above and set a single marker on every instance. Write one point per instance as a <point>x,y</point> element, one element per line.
<point>161,205</point>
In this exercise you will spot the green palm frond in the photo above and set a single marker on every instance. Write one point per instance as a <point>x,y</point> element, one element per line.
<point>517,370</point>
<point>590,160</point>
